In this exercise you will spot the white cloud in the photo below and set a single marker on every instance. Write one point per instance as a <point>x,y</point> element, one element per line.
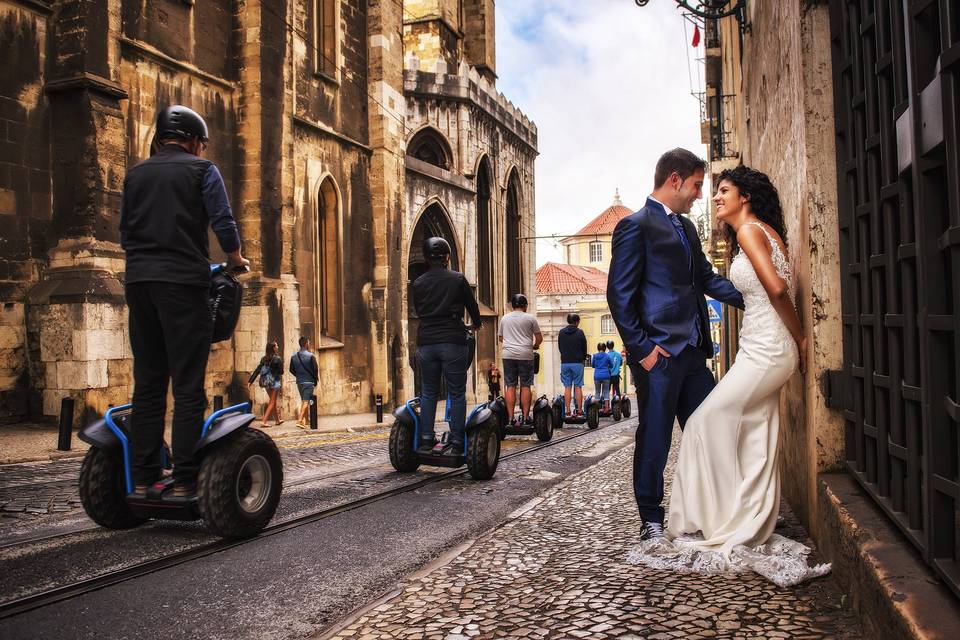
<point>608,86</point>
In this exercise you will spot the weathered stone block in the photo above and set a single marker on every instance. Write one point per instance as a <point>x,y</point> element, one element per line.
<point>98,344</point>
<point>80,375</point>
<point>8,202</point>
<point>11,314</point>
<point>12,337</point>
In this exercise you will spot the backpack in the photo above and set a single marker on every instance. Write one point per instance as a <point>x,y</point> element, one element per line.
<point>226,298</point>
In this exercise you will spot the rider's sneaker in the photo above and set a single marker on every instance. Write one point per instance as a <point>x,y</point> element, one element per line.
<point>449,449</point>
<point>427,445</point>
<point>182,492</point>
<point>528,420</point>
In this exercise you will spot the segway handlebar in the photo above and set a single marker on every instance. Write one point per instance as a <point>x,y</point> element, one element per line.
<point>217,268</point>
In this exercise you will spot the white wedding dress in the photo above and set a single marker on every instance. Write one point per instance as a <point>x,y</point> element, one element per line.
<point>726,489</point>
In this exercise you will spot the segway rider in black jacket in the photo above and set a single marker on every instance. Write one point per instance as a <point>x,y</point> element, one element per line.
<point>439,298</point>
<point>169,200</point>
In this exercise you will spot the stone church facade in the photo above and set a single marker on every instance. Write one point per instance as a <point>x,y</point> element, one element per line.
<point>344,129</point>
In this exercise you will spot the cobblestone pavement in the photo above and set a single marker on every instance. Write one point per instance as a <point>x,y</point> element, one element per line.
<point>559,571</point>
<point>35,489</point>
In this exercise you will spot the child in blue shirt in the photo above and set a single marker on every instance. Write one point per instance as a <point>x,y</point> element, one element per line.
<point>601,374</point>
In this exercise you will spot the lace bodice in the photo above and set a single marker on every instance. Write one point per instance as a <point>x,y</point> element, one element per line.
<point>758,310</point>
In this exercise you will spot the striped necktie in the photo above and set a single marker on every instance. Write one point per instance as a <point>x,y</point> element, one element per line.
<point>675,219</point>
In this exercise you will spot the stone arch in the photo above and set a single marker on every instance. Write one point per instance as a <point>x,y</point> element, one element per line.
<point>484,214</point>
<point>432,220</point>
<point>432,147</point>
<point>513,243</point>
<point>329,278</point>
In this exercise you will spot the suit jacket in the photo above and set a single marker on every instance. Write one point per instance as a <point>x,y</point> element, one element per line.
<point>654,291</point>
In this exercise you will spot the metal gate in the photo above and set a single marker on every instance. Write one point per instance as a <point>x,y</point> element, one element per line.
<point>896,66</point>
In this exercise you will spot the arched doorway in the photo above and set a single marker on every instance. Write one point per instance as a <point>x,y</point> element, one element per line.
<point>433,222</point>
<point>512,241</point>
<point>484,255</point>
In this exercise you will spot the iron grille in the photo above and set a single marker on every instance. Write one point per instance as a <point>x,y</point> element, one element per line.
<point>897,101</point>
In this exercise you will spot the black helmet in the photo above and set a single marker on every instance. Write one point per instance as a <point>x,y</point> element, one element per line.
<point>518,300</point>
<point>435,248</point>
<point>573,318</point>
<point>177,121</point>
<point>610,345</point>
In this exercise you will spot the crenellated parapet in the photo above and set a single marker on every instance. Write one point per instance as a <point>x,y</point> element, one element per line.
<point>466,85</point>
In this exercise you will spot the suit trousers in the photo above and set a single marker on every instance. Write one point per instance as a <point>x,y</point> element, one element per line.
<point>671,391</point>
<point>170,332</point>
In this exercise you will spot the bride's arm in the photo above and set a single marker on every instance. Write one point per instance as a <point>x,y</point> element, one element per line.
<point>754,243</point>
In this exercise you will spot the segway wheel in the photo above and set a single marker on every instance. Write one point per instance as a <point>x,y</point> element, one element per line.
<point>543,425</point>
<point>402,455</point>
<point>483,453</point>
<point>557,416</point>
<point>239,486</point>
<point>625,407</point>
<point>617,411</point>
<point>593,416</point>
<point>102,491</point>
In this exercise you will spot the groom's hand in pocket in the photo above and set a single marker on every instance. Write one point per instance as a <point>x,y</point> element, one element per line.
<point>650,361</point>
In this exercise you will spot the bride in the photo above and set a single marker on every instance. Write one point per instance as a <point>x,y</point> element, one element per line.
<point>726,489</point>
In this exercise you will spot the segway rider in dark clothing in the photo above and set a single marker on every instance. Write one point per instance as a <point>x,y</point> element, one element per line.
<point>169,200</point>
<point>439,299</point>
<point>573,352</point>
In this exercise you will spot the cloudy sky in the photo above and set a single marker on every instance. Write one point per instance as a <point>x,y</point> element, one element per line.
<point>608,85</point>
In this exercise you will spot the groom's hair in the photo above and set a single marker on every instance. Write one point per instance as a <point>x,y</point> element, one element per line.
<point>684,162</point>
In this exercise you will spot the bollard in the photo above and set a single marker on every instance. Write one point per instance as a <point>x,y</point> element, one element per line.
<point>66,424</point>
<point>217,403</point>
<point>313,412</point>
<point>379,408</point>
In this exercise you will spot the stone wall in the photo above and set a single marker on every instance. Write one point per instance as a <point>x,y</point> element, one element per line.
<point>784,124</point>
<point>280,129</point>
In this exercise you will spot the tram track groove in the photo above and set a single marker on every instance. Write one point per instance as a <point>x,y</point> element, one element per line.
<point>66,592</point>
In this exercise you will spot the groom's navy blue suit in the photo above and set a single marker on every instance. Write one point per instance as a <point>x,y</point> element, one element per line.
<point>655,290</point>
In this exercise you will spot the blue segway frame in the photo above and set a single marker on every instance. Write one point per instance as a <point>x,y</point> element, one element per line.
<point>471,422</point>
<point>111,424</point>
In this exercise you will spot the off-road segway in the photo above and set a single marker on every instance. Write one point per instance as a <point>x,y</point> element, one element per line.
<point>241,474</point>
<point>615,410</point>
<point>515,425</point>
<point>481,446</point>
<point>590,415</point>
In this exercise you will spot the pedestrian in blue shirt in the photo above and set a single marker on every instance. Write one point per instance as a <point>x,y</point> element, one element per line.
<point>601,374</point>
<point>303,366</point>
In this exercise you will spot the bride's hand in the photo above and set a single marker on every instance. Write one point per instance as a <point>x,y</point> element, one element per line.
<point>802,352</point>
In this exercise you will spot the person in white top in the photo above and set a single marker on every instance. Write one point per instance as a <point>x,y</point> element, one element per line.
<point>520,336</point>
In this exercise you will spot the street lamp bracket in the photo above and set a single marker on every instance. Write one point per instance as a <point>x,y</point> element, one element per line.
<point>712,9</point>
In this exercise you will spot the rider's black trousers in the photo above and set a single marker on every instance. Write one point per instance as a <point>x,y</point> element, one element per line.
<point>170,333</point>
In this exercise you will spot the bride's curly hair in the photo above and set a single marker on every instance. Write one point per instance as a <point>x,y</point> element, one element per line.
<point>764,201</point>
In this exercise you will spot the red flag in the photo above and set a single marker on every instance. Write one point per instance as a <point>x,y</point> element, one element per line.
<point>696,36</point>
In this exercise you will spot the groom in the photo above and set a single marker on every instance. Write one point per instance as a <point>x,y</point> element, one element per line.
<point>658,275</point>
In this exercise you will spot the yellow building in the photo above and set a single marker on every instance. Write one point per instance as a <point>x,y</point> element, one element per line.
<point>591,246</point>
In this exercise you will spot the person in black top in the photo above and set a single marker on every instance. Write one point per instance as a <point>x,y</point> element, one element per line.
<point>168,202</point>
<point>270,372</point>
<point>439,299</point>
<point>573,352</point>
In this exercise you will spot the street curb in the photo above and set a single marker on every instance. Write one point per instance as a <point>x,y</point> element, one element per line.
<point>67,455</point>
<point>60,455</point>
<point>449,556</point>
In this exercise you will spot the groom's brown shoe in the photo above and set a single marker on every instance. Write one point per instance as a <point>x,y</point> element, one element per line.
<point>651,530</point>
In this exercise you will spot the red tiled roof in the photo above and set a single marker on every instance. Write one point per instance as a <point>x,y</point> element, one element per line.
<point>567,278</point>
<point>604,223</point>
